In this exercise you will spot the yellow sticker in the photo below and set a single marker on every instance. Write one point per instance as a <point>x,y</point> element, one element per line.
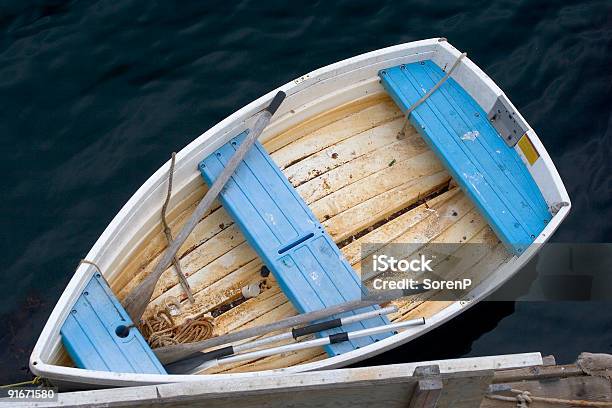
<point>528,149</point>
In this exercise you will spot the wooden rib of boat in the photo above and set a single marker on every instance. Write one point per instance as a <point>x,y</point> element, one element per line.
<point>338,139</point>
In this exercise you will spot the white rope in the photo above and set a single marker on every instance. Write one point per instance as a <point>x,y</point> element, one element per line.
<point>524,398</point>
<point>431,91</point>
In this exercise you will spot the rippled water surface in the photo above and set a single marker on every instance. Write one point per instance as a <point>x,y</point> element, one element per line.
<point>95,95</point>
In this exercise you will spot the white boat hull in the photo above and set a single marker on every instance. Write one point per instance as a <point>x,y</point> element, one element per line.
<point>307,96</point>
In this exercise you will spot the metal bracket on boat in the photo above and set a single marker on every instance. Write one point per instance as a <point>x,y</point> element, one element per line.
<point>505,120</point>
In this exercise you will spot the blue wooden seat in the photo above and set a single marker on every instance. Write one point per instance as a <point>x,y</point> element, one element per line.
<point>97,335</point>
<point>289,239</point>
<point>457,129</point>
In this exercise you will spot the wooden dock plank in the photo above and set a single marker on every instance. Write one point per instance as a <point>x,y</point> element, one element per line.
<point>426,394</point>
<point>366,387</point>
<point>465,390</point>
<point>583,389</point>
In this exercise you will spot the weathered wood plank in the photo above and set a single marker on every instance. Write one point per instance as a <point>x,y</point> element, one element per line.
<point>361,167</point>
<point>395,227</point>
<point>317,122</point>
<point>388,386</point>
<point>465,390</point>
<point>536,373</point>
<point>392,176</point>
<point>428,387</point>
<point>219,249</point>
<point>450,238</point>
<point>369,212</point>
<point>338,154</point>
<point>335,132</point>
<point>223,290</point>
<point>426,394</point>
<point>431,303</point>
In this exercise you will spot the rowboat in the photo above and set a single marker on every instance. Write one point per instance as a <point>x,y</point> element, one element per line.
<point>408,144</point>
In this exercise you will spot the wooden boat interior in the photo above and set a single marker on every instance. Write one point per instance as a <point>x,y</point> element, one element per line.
<point>365,180</point>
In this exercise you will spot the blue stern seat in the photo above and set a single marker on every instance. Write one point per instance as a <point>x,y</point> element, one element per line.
<point>457,129</point>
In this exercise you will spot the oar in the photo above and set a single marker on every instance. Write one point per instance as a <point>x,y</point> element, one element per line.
<point>332,339</point>
<point>137,300</point>
<point>170,354</point>
<point>185,366</point>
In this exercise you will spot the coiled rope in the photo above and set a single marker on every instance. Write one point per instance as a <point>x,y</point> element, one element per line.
<point>160,329</point>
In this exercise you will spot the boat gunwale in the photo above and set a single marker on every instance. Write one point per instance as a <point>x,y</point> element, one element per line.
<point>120,229</point>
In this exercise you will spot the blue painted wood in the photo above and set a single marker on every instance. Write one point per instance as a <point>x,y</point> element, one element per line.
<point>458,131</point>
<point>90,337</point>
<point>289,239</point>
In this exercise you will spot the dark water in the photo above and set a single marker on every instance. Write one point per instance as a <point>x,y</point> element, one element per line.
<point>95,95</point>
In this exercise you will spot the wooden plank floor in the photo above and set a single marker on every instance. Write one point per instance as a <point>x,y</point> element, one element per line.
<point>366,182</point>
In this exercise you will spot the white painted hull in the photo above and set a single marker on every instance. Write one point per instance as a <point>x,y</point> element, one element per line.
<point>307,96</point>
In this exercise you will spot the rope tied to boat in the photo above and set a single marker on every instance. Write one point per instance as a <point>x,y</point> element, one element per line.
<point>168,233</point>
<point>161,330</point>
<point>34,381</point>
<point>524,398</point>
<point>429,93</point>
<point>95,265</point>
